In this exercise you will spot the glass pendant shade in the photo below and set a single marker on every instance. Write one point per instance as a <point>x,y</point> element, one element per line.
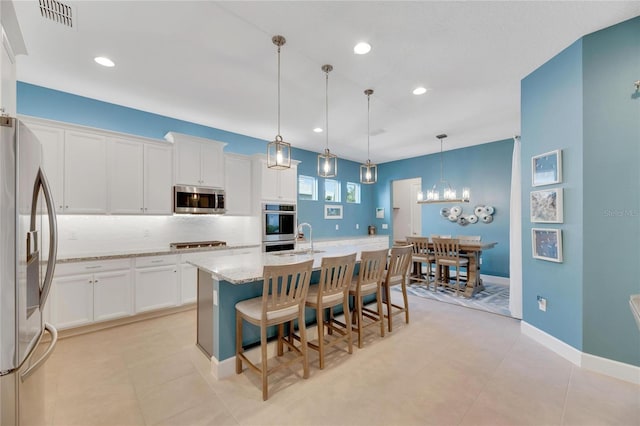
<point>368,173</point>
<point>327,164</point>
<point>278,151</point>
<point>278,154</point>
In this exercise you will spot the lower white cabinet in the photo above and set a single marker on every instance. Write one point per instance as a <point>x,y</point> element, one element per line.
<point>80,296</point>
<point>156,283</point>
<point>188,283</point>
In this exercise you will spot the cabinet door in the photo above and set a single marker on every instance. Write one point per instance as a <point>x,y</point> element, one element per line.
<point>157,179</point>
<point>125,177</point>
<point>72,301</point>
<point>212,165</point>
<point>52,141</point>
<point>188,283</point>
<point>112,297</point>
<point>188,163</point>
<point>270,183</point>
<point>238,185</point>
<point>85,172</point>
<point>289,184</point>
<point>156,288</point>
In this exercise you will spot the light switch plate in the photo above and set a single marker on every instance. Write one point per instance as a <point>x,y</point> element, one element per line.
<point>385,226</point>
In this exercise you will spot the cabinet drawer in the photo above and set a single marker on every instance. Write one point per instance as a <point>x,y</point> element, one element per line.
<point>145,262</point>
<point>91,267</point>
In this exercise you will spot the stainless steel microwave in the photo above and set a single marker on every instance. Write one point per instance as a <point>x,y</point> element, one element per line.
<point>198,200</point>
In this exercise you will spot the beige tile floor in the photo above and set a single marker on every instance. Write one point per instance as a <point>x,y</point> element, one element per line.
<point>449,366</point>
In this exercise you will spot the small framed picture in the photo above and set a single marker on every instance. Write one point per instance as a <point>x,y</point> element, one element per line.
<point>379,212</point>
<point>546,168</point>
<point>546,206</point>
<point>547,244</point>
<point>332,211</point>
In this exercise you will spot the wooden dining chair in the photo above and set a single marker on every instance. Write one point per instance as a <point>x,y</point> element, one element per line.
<point>421,255</point>
<point>447,252</point>
<point>397,272</point>
<point>435,271</point>
<point>475,238</point>
<point>284,293</point>
<point>332,290</point>
<point>367,282</point>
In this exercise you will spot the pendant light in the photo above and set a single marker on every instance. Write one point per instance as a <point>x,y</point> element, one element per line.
<point>278,151</point>
<point>441,191</point>
<point>368,170</point>
<point>327,162</point>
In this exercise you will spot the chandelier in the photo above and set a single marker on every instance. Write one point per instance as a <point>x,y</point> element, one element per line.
<point>442,191</point>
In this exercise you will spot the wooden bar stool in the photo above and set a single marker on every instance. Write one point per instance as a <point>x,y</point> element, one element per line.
<point>397,273</point>
<point>447,252</point>
<point>283,295</point>
<point>421,254</point>
<point>368,281</point>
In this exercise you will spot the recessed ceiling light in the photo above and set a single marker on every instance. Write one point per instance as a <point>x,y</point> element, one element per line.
<point>419,90</point>
<point>362,48</point>
<point>104,61</point>
<point>317,130</point>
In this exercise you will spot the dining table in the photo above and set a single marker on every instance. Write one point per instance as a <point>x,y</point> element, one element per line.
<point>472,251</point>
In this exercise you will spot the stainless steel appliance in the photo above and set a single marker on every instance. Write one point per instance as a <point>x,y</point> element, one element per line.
<point>278,227</point>
<point>198,200</point>
<point>28,250</point>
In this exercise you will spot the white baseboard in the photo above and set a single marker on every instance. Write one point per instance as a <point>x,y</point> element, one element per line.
<point>223,369</point>
<point>495,280</point>
<point>609,367</point>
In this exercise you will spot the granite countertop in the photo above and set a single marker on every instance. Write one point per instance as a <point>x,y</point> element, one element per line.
<point>248,266</point>
<point>126,254</point>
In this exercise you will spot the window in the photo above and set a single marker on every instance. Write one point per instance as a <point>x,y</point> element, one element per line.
<point>332,190</point>
<point>307,188</point>
<point>353,192</point>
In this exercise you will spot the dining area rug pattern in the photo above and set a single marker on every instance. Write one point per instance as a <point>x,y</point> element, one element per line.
<point>494,298</point>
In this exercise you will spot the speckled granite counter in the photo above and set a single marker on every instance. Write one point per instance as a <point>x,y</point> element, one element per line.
<point>125,254</point>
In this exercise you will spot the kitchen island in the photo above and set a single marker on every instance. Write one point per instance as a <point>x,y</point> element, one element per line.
<point>224,280</point>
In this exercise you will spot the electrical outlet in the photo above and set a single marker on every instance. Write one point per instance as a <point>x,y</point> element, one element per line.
<point>385,226</point>
<point>357,226</point>
<point>215,297</point>
<point>146,233</point>
<point>481,260</point>
<point>337,227</point>
<point>542,303</point>
<point>73,236</point>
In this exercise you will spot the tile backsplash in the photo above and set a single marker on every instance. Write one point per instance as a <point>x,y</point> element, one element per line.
<point>87,234</point>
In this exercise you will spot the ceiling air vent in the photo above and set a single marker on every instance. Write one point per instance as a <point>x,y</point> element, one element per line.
<point>57,12</point>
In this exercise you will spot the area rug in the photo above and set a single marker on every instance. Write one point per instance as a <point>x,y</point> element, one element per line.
<point>494,298</point>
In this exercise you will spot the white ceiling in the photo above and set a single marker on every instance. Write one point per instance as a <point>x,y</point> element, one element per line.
<point>213,63</point>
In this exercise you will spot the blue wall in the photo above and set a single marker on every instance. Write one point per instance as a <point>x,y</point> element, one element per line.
<point>51,104</point>
<point>611,62</point>
<point>583,102</point>
<point>552,119</point>
<point>485,169</point>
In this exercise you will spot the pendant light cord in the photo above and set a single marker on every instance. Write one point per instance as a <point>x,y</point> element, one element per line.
<point>279,92</point>
<point>327,109</point>
<point>368,126</point>
<point>441,173</point>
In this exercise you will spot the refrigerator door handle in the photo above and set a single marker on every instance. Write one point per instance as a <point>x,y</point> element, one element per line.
<point>41,181</point>
<point>54,339</point>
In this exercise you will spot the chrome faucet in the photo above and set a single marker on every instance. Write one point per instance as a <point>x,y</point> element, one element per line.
<point>310,233</point>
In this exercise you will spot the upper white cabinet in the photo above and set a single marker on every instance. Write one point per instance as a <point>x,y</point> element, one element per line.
<point>237,184</point>
<point>139,177</point>
<point>275,185</point>
<point>199,161</point>
<point>85,172</point>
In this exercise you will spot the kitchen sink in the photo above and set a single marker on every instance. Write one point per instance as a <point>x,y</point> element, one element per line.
<point>297,252</point>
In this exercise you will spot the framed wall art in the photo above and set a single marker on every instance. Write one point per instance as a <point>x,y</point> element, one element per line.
<point>546,168</point>
<point>332,211</point>
<point>546,206</point>
<point>547,244</point>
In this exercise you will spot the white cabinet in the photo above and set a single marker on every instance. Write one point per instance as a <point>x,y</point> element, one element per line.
<point>237,184</point>
<point>85,172</point>
<point>198,161</point>
<point>156,283</point>
<point>275,185</point>
<point>83,293</point>
<point>188,283</point>
<point>139,177</point>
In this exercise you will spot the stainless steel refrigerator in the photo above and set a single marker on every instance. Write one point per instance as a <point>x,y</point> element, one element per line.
<point>28,246</point>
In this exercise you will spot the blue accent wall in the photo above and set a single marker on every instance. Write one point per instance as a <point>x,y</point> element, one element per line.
<point>52,104</point>
<point>583,102</point>
<point>485,169</point>
<point>552,119</point>
<point>611,63</point>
